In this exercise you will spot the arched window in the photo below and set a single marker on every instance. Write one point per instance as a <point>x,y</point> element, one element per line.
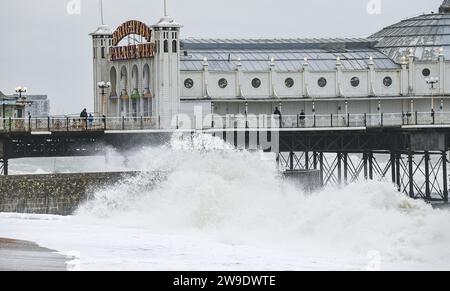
<point>166,46</point>
<point>174,46</point>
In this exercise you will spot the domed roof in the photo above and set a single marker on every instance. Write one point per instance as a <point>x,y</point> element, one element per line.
<point>425,35</point>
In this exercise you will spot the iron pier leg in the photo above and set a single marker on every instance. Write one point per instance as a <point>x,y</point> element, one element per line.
<point>398,172</point>
<point>393,167</point>
<point>365,166</point>
<point>346,168</point>
<point>322,169</point>
<point>339,165</point>
<point>5,166</point>
<point>427,176</point>
<point>445,176</point>
<point>411,175</point>
<point>291,161</point>
<point>370,166</point>
<point>306,160</point>
<point>315,160</point>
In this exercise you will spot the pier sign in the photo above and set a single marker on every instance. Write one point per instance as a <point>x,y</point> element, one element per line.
<point>132,27</point>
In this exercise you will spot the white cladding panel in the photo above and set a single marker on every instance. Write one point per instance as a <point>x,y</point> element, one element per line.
<point>280,84</point>
<point>312,79</point>
<point>197,90</point>
<point>213,84</point>
<point>349,90</point>
<point>249,90</point>
<point>381,89</point>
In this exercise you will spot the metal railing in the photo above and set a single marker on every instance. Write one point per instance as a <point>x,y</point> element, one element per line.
<point>68,124</point>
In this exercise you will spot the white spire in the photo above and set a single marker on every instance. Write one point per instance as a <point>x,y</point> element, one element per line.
<point>101,13</point>
<point>165,8</point>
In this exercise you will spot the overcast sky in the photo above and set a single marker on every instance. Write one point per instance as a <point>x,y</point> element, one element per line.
<point>48,50</point>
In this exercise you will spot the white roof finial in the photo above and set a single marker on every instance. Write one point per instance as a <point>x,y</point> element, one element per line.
<point>101,13</point>
<point>165,8</point>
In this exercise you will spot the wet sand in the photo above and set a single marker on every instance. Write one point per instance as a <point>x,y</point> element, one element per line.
<point>16,255</point>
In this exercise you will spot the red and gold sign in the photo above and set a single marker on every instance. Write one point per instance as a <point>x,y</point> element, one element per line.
<point>135,51</point>
<point>132,27</point>
<point>146,50</point>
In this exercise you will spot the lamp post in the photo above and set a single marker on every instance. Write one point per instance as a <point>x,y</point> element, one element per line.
<point>22,99</point>
<point>432,83</point>
<point>103,86</point>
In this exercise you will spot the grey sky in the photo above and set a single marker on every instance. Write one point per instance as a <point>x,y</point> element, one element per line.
<point>49,51</point>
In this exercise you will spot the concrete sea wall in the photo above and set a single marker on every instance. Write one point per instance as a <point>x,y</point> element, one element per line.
<point>58,194</point>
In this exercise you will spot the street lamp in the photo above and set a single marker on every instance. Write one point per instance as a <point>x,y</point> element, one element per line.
<point>103,86</point>
<point>22,99</point>
<point>432,83</point>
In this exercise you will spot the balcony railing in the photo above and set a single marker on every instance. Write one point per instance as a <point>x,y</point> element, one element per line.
<point>69,124</point>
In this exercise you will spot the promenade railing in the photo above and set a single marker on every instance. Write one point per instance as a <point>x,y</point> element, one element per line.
<point>73,123</point>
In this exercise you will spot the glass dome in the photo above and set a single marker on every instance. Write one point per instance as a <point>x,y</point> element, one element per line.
<point>425,35</point>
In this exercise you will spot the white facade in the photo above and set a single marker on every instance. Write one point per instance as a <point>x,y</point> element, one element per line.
<point>335,76</point>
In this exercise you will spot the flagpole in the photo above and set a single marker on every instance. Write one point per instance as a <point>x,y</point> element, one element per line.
<point>165,8</point>
<point>101,12</point>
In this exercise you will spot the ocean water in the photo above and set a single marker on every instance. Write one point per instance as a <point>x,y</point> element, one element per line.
<point>216,208</point>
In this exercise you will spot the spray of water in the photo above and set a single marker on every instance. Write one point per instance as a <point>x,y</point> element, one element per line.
<point>201,186</point>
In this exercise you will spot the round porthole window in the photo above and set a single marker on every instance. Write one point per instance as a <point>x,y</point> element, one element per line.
<point>289,82</point>
<point>223,83</point>
<point>189,83</point>
<point>322,82</point>
<point>256,83</point>
<point>355,82</point>
<point>387,81</point>
<point>426,72</point>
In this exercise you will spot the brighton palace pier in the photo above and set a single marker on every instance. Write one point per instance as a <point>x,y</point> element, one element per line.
<point>152,71</point>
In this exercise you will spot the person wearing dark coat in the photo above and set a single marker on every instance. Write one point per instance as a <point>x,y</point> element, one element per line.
<point>278,112</point>
<point>302,118</point>
<point>84,117</point>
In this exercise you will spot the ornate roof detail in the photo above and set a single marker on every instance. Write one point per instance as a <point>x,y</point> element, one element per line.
<point>445,7</point>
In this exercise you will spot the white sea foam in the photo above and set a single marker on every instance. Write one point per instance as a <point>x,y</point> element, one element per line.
<point>238,198</point>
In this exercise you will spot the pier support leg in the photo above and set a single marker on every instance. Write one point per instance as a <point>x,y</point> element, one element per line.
<point>306,160</point>
<point>411,175</point>
<point>291,161</point>
<point>322,170</point>
<point>345,168</point>
<point>398,173</point>
<point>427,176</point>
<point>315,160</point>
<point>445,176</point>
<point>365,166</point>
<point>339,166</point>
<point>393,173</point>
<point>370,155</point>
<point>4,167</point>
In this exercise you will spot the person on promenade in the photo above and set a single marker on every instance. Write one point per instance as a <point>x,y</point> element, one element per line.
<point>84,117</point>
<point>277,112</point>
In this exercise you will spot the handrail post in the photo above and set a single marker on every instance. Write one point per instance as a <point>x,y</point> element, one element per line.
<point>67,124</point>
<point>159,122</point>
<point>298,119</point>
<point>331,120</point>
<point>29,123</point>
<point>416,117</point>
<point>48,123</point>
<point>365,119</point>
<point>348,119</point>
<point>86,124</point>
<point>10,124</point>
<point>314,120</point>
<point>142,122</point>
<point>382,119</point>
<point>123,122</point>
